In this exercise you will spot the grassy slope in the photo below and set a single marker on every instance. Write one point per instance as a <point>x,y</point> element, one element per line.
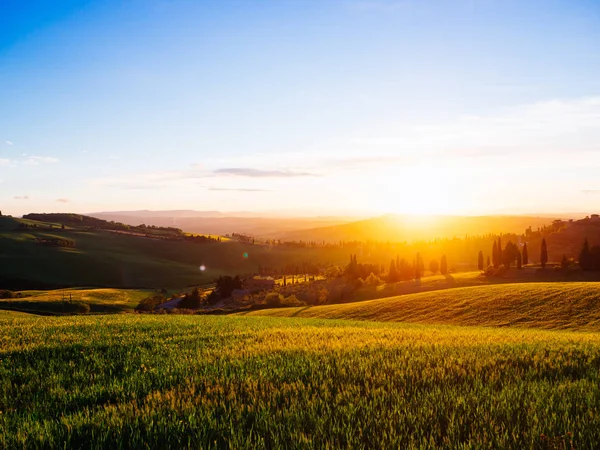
<point>574,305</point>
<point>99,300</point>
<point>104,259</point>
<point>254,382</point>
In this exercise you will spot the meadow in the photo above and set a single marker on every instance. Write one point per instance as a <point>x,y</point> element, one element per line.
<point>60,301</point>
<point>131,381</point>
<point>550,305</point>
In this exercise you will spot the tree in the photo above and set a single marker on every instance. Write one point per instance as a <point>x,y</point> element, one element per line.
<point>544,254</point>
<point>525,254</point>
<point>191,300</point>
<point>444,265</point>
<point>488,261</point>
<point>499,250</point>
<point>434,266</point>
<point>509,254</point>
<point>393,274</point>
<point>274,299</point>
<point>585,256</point>
<point>564,262</point>
<point>519,260</point>
<point>418,264</point>
<point>495,255</point>
<point>480,260</point>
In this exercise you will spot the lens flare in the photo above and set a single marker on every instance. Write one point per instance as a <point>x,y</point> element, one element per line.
<point>245,255</point>
<point>202,268</point>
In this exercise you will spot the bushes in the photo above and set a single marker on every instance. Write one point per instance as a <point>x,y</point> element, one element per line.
<point>149,303</point>
<point>83,308</point>
<point>4,293</point>
<point>274,299</point>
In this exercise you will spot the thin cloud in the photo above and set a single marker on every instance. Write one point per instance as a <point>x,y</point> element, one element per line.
<point>24,197</point>
<point>590,191</point>
<point>4,162</point>
<point>238,189</point>
<point>258,173</point>
<point>39,160</point>
<point>9,142</point>
<point>62,200</point>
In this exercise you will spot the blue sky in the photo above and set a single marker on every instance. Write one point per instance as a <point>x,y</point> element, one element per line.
<point>324,107</point>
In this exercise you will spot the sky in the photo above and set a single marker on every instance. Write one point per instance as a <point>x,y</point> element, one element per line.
<point>324,107</point>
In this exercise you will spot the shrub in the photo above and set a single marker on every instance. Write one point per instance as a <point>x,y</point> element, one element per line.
<point>292,300</point>
<point>274,299</point>
<point>83,308</point>
<point>6,293</point>
<point>373,280</point>
<point>149,303</point>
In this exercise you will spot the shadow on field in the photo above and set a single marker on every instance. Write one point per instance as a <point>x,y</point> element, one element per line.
<point>48,308</point>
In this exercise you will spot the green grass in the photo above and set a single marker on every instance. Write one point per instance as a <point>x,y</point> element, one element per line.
<point>99,300</point>
<point>129,381</point>
<point>568,305</point>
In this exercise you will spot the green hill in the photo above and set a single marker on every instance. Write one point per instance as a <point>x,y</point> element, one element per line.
<point>568,305</point>
<point>40,257</point>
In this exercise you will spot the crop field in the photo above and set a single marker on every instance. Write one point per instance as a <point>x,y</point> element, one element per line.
<point>99,300</point>
<point>135,381</point>
<point>567,305</point>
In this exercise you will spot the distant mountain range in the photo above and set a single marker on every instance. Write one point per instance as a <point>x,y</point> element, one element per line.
<point>215,222</point>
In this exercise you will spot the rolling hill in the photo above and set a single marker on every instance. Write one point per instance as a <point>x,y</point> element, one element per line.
<point>568,305</point>
<point>214,222</point>
<point>109,258</point>
<point>397,228</point>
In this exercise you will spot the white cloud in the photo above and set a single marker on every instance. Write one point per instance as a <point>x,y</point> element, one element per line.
<point>9,142</point>
<point>38,160</point>
<point>4,162</point>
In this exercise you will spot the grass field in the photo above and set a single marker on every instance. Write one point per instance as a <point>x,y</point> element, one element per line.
<point>99,300</point>
<point>569,305</point>
<point>129,381</point>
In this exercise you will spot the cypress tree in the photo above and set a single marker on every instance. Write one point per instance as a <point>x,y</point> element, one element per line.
<point>495,254</point>
<point>393,275</point>
<point>519,260</point>
<point>480,260</point>
<point>444,265</point>
<point>525,255</point>
<point>499,250</point>
<point>488,261</point>
<point>544,254</point>
<point>585,256</point>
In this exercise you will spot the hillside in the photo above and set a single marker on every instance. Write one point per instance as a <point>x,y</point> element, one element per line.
<point>570,305</point>
<point>41,257</point>
<point>218,223</point>
<point>396,228</point>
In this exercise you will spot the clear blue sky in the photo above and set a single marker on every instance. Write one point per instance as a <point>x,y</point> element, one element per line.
<point>327,107</point>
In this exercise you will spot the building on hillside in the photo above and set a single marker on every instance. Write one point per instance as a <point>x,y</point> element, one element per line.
<point>259,284</point>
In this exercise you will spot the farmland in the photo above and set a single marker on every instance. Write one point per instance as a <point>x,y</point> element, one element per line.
<point>53,301</point>
<point>568,305</point>
<point>244,382</point>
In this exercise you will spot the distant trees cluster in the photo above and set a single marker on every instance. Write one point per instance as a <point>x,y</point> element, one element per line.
<point>510,255</point>
<point>589,257</point>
